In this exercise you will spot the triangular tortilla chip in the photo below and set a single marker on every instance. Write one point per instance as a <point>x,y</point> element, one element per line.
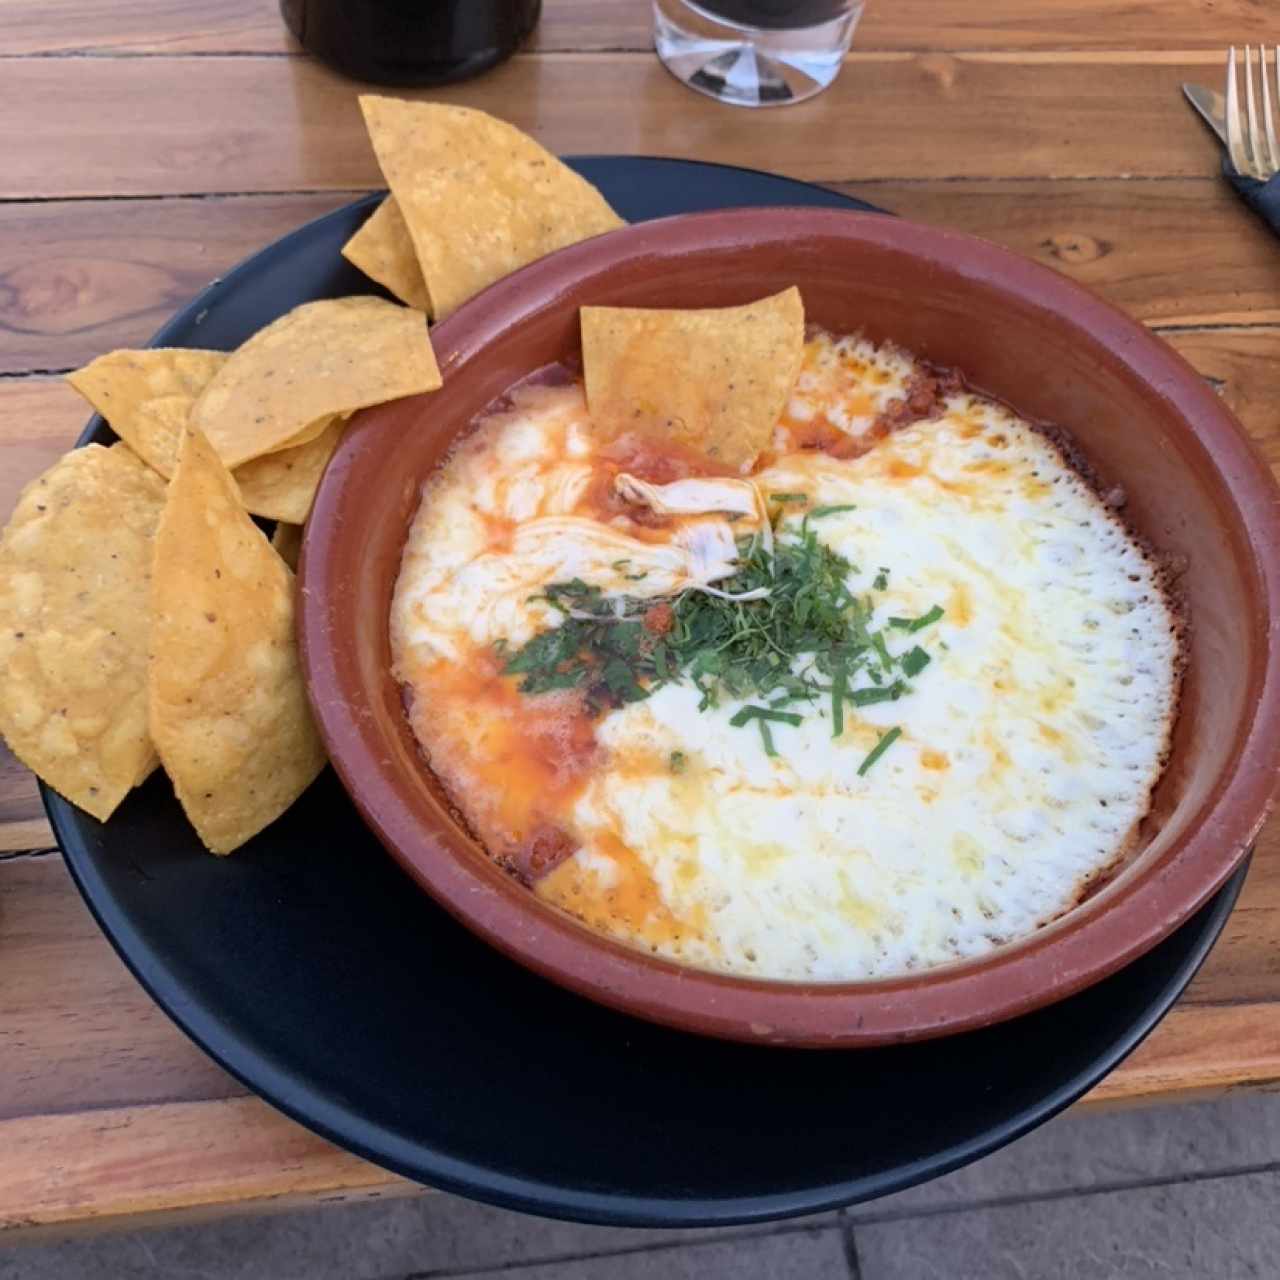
<point>480,198</point>
<point>147,396</point>
<point>75,571</point>
<point>716,380</point>
<point>282,485</point>
<point>383,250</point>
<point>228,710</point>
<point>320,359</point>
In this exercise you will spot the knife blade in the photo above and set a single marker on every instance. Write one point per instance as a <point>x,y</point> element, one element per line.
<point>1210,106</point>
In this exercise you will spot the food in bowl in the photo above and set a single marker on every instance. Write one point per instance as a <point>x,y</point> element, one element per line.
<point>893,693</point>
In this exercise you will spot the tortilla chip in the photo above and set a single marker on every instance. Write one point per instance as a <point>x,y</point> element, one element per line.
<point>229,713</point>
<point>147,396</point>
<point>383,250</point>
<point>320,359</point>
<point>480,198</point>
<point>287,540</point>
<point>282,485</point>
<point>75,571</point>
<point>715,380</point>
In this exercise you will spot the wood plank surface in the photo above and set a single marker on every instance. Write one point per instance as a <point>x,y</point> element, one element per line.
<point>77,1032</point>
<point>133,1119</point>
<point>150,146</point>
<point>127,126</point>
<point>254,26</point>
<point>121,1162</point>
<point>79,277</point>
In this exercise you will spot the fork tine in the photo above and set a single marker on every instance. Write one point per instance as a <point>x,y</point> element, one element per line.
<point>1252,135</point>
<point>1268,119</point>
<point>1235,144</point>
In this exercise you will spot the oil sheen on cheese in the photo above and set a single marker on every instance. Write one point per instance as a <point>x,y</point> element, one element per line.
<point>1029,746</point>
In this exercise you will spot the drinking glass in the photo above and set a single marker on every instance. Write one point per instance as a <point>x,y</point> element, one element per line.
<point>755,53</point>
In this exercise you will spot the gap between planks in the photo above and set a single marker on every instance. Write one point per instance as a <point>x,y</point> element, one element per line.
<point>1030,57</point>
<point>116,1163</point>
<point>290,124</point>
<point>254,26</point>
<point>81,277</point>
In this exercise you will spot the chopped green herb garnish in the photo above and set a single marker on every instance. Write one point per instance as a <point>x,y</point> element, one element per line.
<point>914,662</point>
<point>788,497</point>
<point>619,565</point>
<point>882,650</point>
<point>888,693</point>
<point>839,692</point>
<point>785,629</point>
<point>751,712</point>
<point>882,579</point>
<point>879,749</point>
<point>677,761</point>
<point>918,624</point>
<point>818,512</point>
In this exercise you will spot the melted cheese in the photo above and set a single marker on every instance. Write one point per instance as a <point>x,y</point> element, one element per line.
<point>844,385</point>
<point>1029,745</point>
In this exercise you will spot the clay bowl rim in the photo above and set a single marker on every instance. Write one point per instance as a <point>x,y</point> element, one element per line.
<point>1126,919</point>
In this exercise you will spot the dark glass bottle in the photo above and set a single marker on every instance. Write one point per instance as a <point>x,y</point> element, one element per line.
<point>411,42</point>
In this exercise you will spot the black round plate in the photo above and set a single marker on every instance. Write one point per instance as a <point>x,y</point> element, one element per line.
<point>309,966</point>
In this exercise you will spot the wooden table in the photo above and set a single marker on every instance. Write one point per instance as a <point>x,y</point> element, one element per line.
<point>148,146</point>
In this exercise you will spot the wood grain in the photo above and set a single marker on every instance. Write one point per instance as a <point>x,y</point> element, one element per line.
<point>143,143</point>
<point>1133,242</point>
<point>121,1162</point>
<point>102,1088</point>
<point>76,1030</point>
<point>126,126</point>
<point>928,25</point>
<point>115,1164</point>
<point>23,825</point>
<point>40,419</point>
<point>254,26</point>
<point>1185,1057</point>
<point>79,277</point>
<point>144,26</point>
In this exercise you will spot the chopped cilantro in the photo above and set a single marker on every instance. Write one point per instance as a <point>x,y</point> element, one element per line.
<point>914,662</point>
<point>882,650</point>
<point>879,749</point>
<point>751,712</point>
<point>785,629</point>
<point>918,624</point>
<point>839,691</point>
<point>887,693</point>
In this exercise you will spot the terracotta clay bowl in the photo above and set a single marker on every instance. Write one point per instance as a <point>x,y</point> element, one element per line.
<point>1144,419</point>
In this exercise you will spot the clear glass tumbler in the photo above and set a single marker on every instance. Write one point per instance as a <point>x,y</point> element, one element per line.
<point>755,53</point>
